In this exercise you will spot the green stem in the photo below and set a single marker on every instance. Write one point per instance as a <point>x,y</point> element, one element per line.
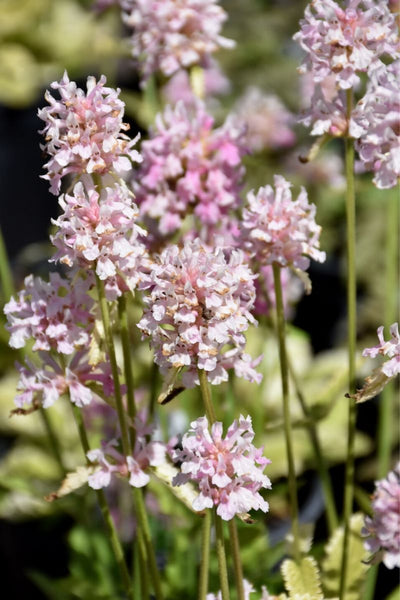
<point>206,395</point>
<point>52,439</point>
<point>6,279</point>
<point>220,544</point>
<point>105,314</point>
<point>111,530</point>
<point>205,556</point>
<point>286,410</point>
<point>370,583</point>
<point>237,563</point>
<point>351,325</point>
<point>144,527</point>
<point>129,380</point>
<point>331,513</point>
<point>385,426</point>
<point>142,559</point>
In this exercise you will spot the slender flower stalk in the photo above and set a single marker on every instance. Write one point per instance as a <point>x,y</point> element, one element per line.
<point>352,332</point>
<point>223,571</point>
<point>129,379</point>
<point>6,280</point>
<point>205,556</point>
<point>237,563</point>
<point>286,410</point>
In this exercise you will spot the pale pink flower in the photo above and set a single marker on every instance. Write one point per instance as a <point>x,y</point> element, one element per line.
<point>99,230</point>
<point>55,314</point>
<point>228,471</point>
<point>375,123</point>
<point>189,167</point>
<point>196,313</point>
<point>326,115</point>
<point>346,41</point>
<point>390,349</point>
<point>169,35</point>
<point>278,229</point>
<point>268,122</point>
<point>383,528</point>
<point>83,131</point>
<point>109,460</point>
<point>42,386</point>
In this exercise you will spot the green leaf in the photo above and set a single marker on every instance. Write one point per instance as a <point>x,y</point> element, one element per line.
<point>302,580</point>
<point>356,569</point>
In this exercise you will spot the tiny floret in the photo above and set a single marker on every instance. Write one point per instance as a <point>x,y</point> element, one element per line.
<point>390,349</point>
<point>383,528</point>
<point>83,131</point>
<point>228,471</point>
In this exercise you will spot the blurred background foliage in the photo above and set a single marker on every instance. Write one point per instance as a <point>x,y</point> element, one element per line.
<point>39,39</point>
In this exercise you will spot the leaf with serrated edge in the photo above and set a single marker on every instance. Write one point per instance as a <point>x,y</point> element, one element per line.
<point>302,580</point>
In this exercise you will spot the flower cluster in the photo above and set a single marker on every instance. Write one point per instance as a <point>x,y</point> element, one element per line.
<point>268,122</point>
<point>326,115</point>
<point>42,386</point>
<point>172,34</point>
<point>190,167</point>
<point>278,229</point>
<point>391,349</point>
<point>383,529</point>
<point>83,131</point>
<point>55,314</point>
<point>100,230</point>
<point>109,460</point>
<point>376,125</point>
<point>179,87</point>
<point>199,304</point>
<point>228,471</point>
<point>346,41</point>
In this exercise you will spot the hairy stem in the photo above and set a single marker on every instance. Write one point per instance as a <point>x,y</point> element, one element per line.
<point>351,341</point>
<point>205,556</point>
<point>286,410</point>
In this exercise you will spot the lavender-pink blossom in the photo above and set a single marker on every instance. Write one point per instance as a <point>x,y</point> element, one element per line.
<point>228,471</point>
<point>326,115</point>
<point>196,313</point>
<point>189,167</point>
<point>268,121</point>
<point>83,131</point>
<point>383,528</point>
<point>346,41</point>
<point>172,34</point>
<point>391,349</point>
<point>278,229</point>
<point>99,230</point>
<point>109,460</point>
<point>375,123</point>
<point>55,314</point>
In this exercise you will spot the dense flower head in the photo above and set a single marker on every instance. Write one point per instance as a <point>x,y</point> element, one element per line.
<point>190,167</point>
<point>197,310</point>
<point>83,131</point>
<point>100,230</point>
<point>326,115</point>
<point>391,349</point>
<point>55,314</point>
<point>172,34</point>
<point>383,528</point>
<point>228,471</point>
<point>109,460</point>
<point>179,87</point>
<point>348,40</point>
<point>268,121</point>
<point>43,385</point>
<point>278,229</point>
<point>376,123</point>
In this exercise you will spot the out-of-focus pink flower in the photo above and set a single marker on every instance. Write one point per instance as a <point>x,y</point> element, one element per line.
<point>109,460</point>
<point>346,41</point>
<point>391,349</point>
<point>326,169</point>
<point>179,87</point>
<point>83,131</point>
<point>169,35</point>
<point>42,386</point>
<point>278,229</point>
<point>268,121</point>
<point>228,471</point>
<point>190,167</point>
<point>55,314</point>
<point>375,123</point>
<point>100,231</point>
<point>383,528</point>
<point>199,306</point>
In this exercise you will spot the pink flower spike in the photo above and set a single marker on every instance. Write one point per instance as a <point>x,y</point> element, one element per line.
<point>228,471</point>
<point>197,311</point>
<point>83,131</point>
<point>383,528</point>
